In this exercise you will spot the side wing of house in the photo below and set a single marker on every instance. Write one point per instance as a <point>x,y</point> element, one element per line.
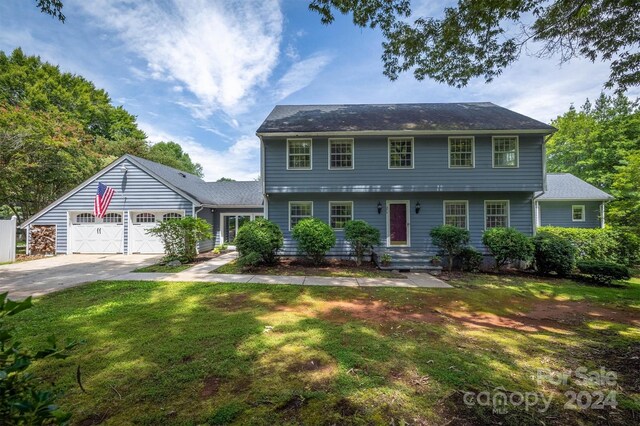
<point>139,203</point>
<point>571,214</point>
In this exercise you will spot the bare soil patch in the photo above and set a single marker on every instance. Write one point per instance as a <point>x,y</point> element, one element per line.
<point>211,386</point>
<point>330,268</point>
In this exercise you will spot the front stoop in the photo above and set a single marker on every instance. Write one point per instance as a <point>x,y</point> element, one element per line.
<point>407,260</point>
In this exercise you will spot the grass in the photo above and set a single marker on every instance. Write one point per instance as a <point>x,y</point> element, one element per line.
<point>206,353</point>
<point>163,268</point>
<point>295,268</point>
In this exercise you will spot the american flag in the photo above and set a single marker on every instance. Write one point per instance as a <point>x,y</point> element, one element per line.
<point>102,200</point>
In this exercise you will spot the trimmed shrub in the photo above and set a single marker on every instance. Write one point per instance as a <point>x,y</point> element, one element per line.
<point>362,237</point>
<point>604,272</point>
<point>553,254</point>
<point>258,242</point>
<point>618,245</point>
<point>315,238</point>
<point>470,259</point>
<point>180,237</point>
<point>450,239</point>
<point>507,245</point>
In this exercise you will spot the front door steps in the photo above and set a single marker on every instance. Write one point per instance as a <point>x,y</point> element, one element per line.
<point>406,260</point>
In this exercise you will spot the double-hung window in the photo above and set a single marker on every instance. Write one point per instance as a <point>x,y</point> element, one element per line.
<point>400,153</point>
<point>299,154</point>
<point>496,214</point>
<point>299,210</point>
<point>505,151</point>
<point>340,212</point>
<point>456,213</point>
<point>461,152</point>
<point>577,213</point>
<point>340,154</point>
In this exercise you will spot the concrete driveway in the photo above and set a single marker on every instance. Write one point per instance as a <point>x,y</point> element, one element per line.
<point>38,277</point>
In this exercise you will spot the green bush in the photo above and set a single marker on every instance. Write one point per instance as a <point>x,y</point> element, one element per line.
<point>603,272</point>
<point>553,254</point>
<point>450,239</point>
<point>507,245</point>
<point>180,237</point>
<point>618,245</point>
<point>22,400</point>
<point>258,242</point>
<point>362,237</point>
<point>470,259</point>
<point>315,238</point>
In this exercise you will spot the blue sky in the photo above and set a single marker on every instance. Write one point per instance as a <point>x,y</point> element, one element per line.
<point>206,73</point>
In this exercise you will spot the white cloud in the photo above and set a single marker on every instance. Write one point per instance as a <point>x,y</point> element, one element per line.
<point>240,160</point>
<point>219,51</point>
<point>300,75</point>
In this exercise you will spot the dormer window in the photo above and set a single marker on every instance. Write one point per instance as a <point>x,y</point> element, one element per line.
<point>299,154</point>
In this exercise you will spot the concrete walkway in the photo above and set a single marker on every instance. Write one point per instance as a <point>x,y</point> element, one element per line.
<point>201,273</point>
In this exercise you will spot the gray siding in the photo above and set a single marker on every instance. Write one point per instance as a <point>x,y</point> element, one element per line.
<point>431,172</point>
<point>558,213</point>
<point>431,214</point>
<point>136,190</point>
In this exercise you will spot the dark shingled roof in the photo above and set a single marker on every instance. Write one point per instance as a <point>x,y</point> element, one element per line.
<point>397,117</point>
<point>565,186</point>
<point>210,193</point>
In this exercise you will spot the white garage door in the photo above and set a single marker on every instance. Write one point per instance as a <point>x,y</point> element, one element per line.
<point>93,235</point>
<point>141,222</point>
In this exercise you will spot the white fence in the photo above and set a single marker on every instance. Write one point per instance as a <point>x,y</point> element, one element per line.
<point>8,240</point>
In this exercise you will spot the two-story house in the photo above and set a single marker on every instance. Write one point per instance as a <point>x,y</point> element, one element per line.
<point>404,168</point>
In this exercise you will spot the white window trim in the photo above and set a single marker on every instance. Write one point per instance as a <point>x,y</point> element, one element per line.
<point>338,202</point>
<point>289,211</point>
<point>493,153</point>
<point>444,210</point>
<point>473,152</point>
<point>353,154</point>
<point>310,153</point>
<point>584,212</point>
<point>413,153</point>
<point>407,203</point>
<point>252,217</point>
<point>497,201</point>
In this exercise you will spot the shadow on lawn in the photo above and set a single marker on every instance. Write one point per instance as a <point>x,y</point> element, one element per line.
<point>201,353</point>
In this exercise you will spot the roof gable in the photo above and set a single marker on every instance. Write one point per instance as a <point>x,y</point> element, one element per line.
<point>426,117</point>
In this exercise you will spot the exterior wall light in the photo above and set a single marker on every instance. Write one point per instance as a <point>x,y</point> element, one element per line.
<point>418,207</point>
<point>379,207</point>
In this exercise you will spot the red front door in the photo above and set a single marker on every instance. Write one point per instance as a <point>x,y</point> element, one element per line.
<point>398,224</point>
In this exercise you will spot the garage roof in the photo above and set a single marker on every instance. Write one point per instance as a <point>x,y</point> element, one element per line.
<point>565,186</point>
<point>427,117</point>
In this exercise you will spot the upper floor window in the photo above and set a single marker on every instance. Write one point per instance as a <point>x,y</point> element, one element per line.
<point>299,210</point>
<point>340,153</point>
<point>505,151</point>
<point>456,213</point>
<point>496,214</point>
<point>299,154</point>
<point>340,212</point>
<point>400,153</point>
<point>577,213</point>
<point>461,152</point>
<point>171,216</point>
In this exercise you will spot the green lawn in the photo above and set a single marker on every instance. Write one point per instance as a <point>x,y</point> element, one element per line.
<point>343,270</point>
<point>163,268</point>
<point>205,353</point>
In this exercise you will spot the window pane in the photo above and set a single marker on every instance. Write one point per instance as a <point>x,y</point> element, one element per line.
<point>400,153</point>
<point>505,151</point>
<point>340,214</point>
<point>497,214</point>
<point>300,154</point>
<point>341,153</point>
<point>455,214</point>
<point>298,211</point>
<point>461,152</point>
<point>578,213</point>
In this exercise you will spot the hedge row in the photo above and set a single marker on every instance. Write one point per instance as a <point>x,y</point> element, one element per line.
<point>618,245</point>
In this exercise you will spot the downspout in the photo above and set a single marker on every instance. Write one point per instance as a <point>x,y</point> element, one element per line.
<point>195,212</point>
<point>265,200</point>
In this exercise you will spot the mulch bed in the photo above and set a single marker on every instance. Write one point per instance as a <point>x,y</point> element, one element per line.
<point>331,267</point>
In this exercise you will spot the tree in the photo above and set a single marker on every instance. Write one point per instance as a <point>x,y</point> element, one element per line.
<point>171,154</point>
<point>481,38</point>
<point>225,179</point>
<point>600,143</point>
<point>51,7</point>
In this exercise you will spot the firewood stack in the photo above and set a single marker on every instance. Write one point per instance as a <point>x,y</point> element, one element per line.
<point>42,239</point>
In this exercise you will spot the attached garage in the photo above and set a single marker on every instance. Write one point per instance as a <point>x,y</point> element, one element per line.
<point>146,193</point>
